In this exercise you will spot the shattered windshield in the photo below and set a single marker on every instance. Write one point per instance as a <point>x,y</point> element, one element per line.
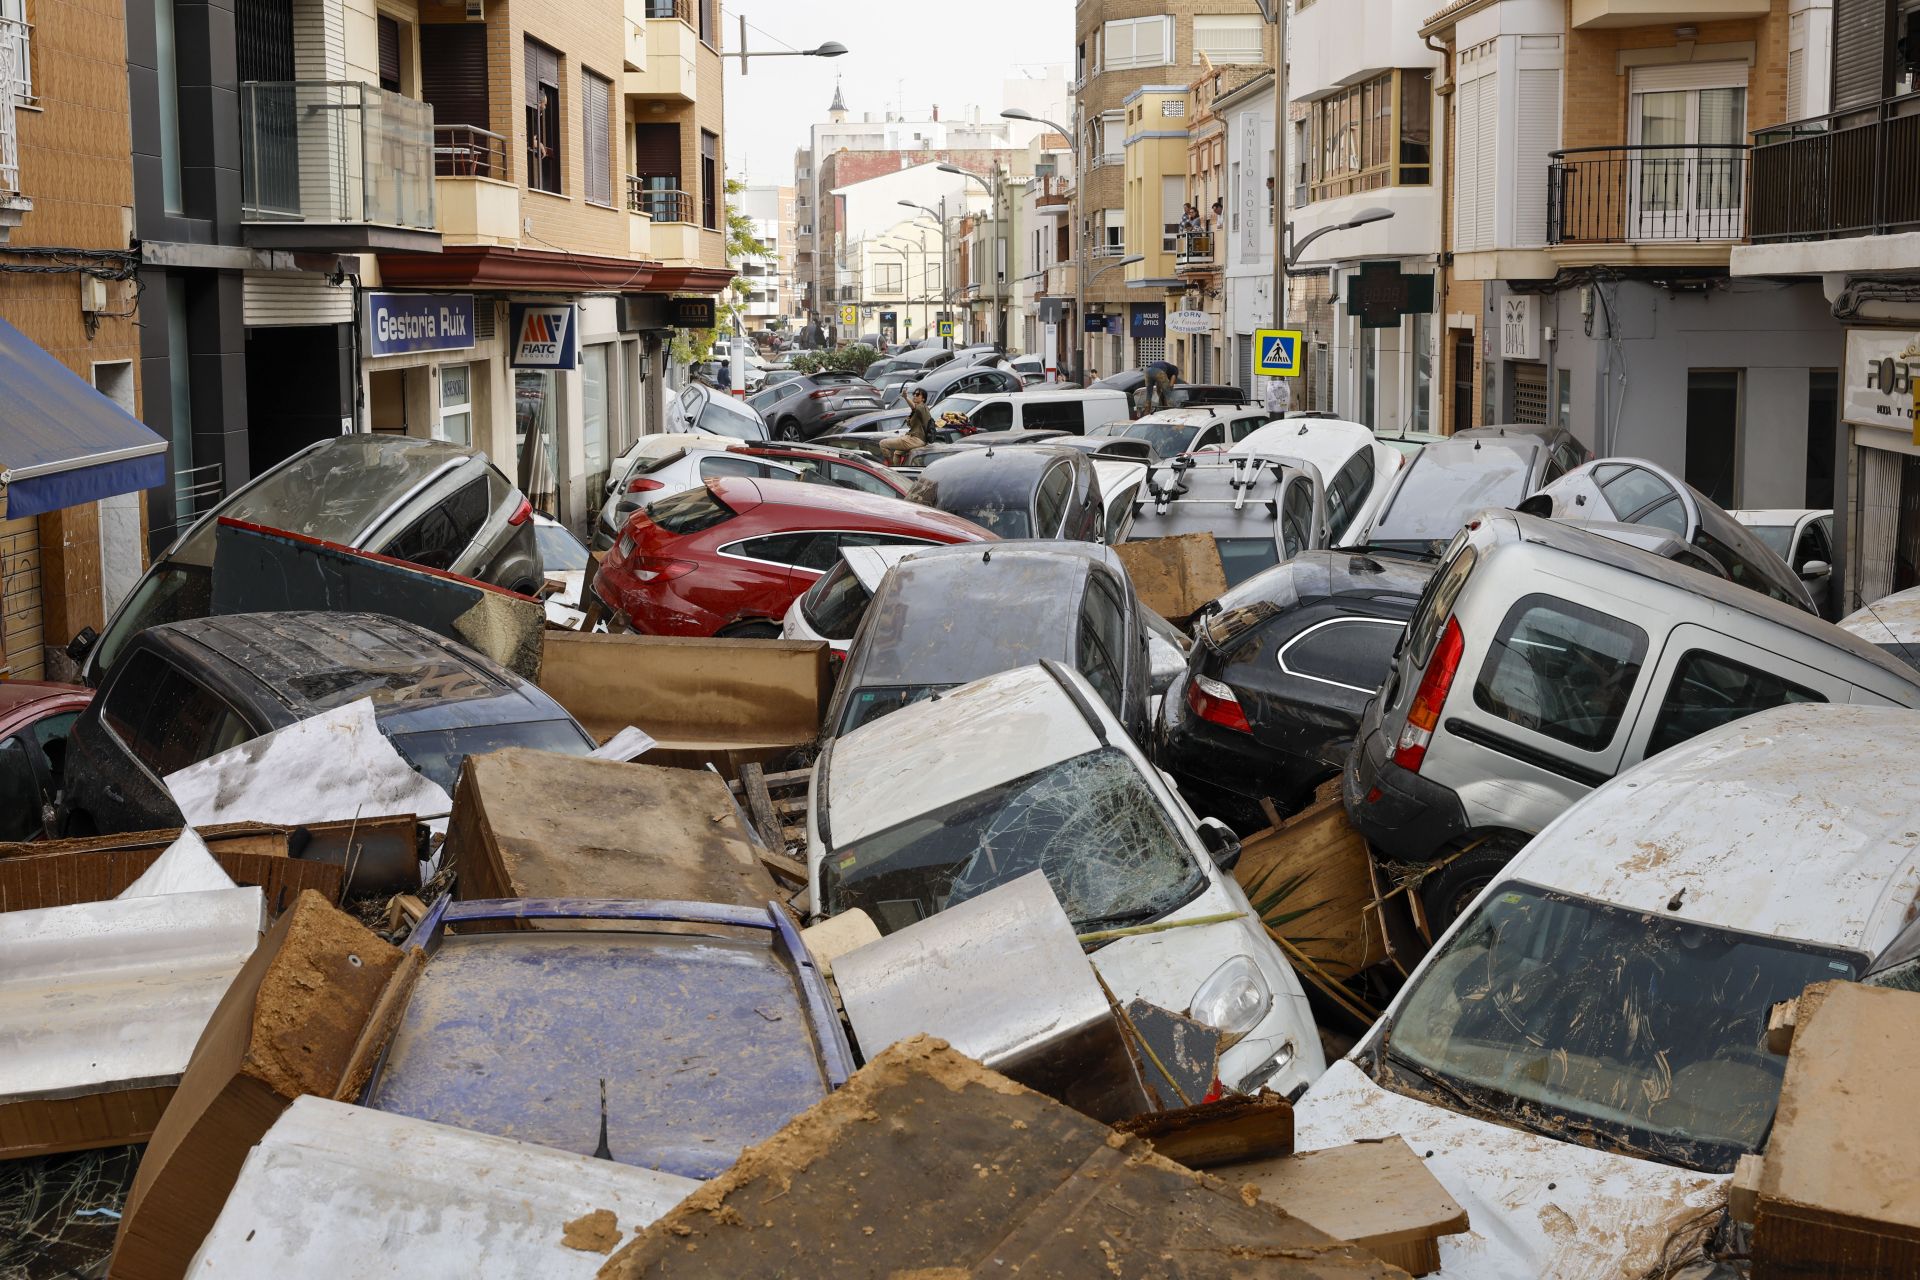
<point>1584,1021</point>
<point>1089,823</point>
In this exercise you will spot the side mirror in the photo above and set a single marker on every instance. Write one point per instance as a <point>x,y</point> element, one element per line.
<point>1222,845</point>
<point>1814,570</point>
<point>81,645</point>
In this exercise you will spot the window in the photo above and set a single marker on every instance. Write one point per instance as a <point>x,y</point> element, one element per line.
<point>1103,641</point>
<point>1054,415</point>
<point>1563,670</point>
<point>1139,42</point>
<point>1050,502</point>
<point>994,416</point>
<point>1296,519</point>
<point>848,477</point>
<point>1353,653</point>
<point>779,548</point>
<point>543,117</point>
<point>709,180</point>
<point>168,75</point>
<point>1115,241</point>
<point>388,35</point>
<point>456,404</point>
<point>1373,135</point>
<point>887,277</point>
<point>1230,40</point>
<point>594,418</point>
<point>437,538</point>
<point>20,794</point>
<point>596,106</point>
<point>709,23</point>
<point>1348,490</point>
<point>167,719</point>
<point>1709,690</point>
<point>1173,205</point>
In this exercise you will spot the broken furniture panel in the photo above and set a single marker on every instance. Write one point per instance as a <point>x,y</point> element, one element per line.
<point>100,1006</point>
<point>1231,1131</point>
<point>929,1164</point>
<point>1003,979</point>
<point>335,1191</point>
<point>1376,1193</point>
<point>728,702</point>
<point>1316,863</point>
<point>41,880</point>
<point>1836,1194</point>
<point>262,570</point>
<point>1175,576</point>
<point>292,1022</point>
<point>534,824</point>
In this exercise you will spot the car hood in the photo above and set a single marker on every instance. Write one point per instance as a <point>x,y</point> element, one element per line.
<point>1536,1207</point>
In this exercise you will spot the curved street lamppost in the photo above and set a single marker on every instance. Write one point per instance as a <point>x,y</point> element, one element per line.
<point>994,189</point>
<point>1080,239</point>
<point>939,216</point>
<point>831,49</point>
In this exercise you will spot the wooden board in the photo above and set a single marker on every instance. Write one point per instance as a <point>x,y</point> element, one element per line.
<point>1837,1192</point>
<point>1175,576</point>
<point>1377,1194</point>
<point>62,879</point>
<point>1339,933</point>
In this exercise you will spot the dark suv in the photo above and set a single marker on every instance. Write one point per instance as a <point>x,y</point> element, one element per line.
<point>813,404</point>
<point>185,691</point>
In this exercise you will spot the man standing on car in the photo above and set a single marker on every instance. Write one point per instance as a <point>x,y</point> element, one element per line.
<point>1160,376</point>
<point>918,431</point>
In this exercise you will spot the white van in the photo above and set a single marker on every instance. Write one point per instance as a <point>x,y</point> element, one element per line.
<point>1074,412</point>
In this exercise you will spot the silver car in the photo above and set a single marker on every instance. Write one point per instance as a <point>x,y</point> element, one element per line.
<point>1260,511</point>
<point>654,478</point>
<point>1543,660</point>
<point>435,504</point>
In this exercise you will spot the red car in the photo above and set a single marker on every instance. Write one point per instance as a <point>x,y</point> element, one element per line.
<point>728,559</point>
<point>34,719</point>
<point>843,467</point>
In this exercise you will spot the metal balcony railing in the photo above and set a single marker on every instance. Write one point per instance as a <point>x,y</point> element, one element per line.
<point>1853,173</point>
<point>1647,194</point>
<point>16,83</point>
<point>1108,251</point>
<point>333,152</point>
<point>465,151</point>
<point>681,9</point>
<point>1193,251</point>
<point>662,204</point>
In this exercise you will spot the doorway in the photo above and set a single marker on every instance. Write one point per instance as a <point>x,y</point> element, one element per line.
<point>1462,379</point>
<point>1713,433</point>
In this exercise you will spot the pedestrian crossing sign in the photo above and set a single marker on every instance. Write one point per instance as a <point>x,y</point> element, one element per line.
<point>1276,353</point>
<point>946,328</point>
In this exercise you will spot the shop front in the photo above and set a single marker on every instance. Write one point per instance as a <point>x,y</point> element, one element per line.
<point>1880,412</point>
<point>425,362</point>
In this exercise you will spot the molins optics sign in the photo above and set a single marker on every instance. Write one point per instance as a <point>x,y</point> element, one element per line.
<point>543,336</point>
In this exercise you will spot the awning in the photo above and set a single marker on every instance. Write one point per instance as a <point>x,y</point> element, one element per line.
<point>61,442</point>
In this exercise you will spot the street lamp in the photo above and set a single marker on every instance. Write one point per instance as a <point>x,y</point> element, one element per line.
<point>831,49</point>
<point>1360,219</point>
<point>994,191</point>
<point>925,299</point>
<point>1080,254</point>
<point>939,216</point>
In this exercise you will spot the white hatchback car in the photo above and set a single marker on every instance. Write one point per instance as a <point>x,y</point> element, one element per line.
<point>1027,770</point>
<point>1581,1059</point>
<point>1358,468</point>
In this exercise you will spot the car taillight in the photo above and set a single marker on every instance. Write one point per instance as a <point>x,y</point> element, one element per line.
<point>1214,702</point>
<point>521,512</point>
<point>659,568</point>
<point>626,545</point>
<point>641,484</point>
<point>822,394</point>
<point>1411,750</point>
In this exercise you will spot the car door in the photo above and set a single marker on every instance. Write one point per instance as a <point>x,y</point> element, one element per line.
<point>1706,678</point>
<point>437,537</point>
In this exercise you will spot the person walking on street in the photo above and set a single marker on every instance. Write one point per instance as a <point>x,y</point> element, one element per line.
<point>918,431</point>
<point>1160,376</point>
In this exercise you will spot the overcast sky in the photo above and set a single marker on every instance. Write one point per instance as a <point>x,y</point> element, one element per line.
<point>905,55</point>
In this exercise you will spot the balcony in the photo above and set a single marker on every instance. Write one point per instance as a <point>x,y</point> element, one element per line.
<point>336,165</point>
<point>1647,205</point>
<point>15,84</point>
<point>473,189</point>
<point>1856,173</point>
<point>673,235</point>
<point>672,50</point>
<point>1193,253</point>
<point>1649,13</point>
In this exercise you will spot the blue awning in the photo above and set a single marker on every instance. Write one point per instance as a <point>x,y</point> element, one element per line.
<point>61,442</point>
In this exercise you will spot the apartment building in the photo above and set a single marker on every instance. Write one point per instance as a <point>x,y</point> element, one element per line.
<point>448,218</point>
<point>74,459</point>
<point>1133,62</point>
<point>1197,325</point>
<point>1835,208</point>
<point>1599,188</point>
<point>1044,264</point>
<point>772,300</point>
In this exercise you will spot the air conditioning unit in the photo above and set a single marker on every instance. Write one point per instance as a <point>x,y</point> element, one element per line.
<point>476,10</point>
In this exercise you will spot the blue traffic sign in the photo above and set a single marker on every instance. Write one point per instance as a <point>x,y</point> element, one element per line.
<point>1276,353</point>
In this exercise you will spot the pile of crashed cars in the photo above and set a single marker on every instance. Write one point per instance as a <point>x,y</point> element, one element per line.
<point>1294,850</point>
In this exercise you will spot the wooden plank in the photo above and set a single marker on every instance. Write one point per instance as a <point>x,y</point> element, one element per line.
<point>1232,1131</point>
<point>753,783</point>
<point>1329,859</point>
<point>784,868</point>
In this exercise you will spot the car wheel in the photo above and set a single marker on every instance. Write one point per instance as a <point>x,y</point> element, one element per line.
<point>1447,891</point>
<point>788,429</point>
<point>752,631</point>
<point>526,587</point>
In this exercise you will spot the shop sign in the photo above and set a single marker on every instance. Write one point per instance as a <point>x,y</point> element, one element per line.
<point>1149,320</point>
<point>1882,380</point>
<point>1190,322</point>
<point>398,323</point>
<point>1379,294</point>
<point>543,335</point>
<point>1519,327</point>
<point>692,313</point>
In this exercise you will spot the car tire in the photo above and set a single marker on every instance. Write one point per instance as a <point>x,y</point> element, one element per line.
<point>788,429</point>
<point>761,630</point>
<point>1446,892</point>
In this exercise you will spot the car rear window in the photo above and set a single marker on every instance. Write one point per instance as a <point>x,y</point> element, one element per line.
<point>690,512</point>
<point>1437,602</point>
<point>1355,652</point>
<point>438,753</point>
<point>1445,488</point>
<point>1244,557</point>
<point>647,466</point>
<point>835,605</point>
<point>1563,670</point>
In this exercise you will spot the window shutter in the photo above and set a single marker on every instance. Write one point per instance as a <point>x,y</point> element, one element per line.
<point>1468,178</point>
<point>1539,91</point>
<point>596,98</point>
<point>1234,39</point>
<point>1120,43</point>
<point>1862,52</point>
<point>656,151</point>
<point>1796,66</point>
<point>453,72</point>
<point>389,39</point>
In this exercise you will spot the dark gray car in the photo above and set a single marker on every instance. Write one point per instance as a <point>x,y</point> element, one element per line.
<point>950,615</point>
<point>957,379</point>
<point>436,504</point>
<point>1026,492</point>
<point>1469,471</point>
<point>813,404</point>
<point>185,691</point>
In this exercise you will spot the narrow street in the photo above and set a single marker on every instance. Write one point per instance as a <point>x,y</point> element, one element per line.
<point>787,638</point>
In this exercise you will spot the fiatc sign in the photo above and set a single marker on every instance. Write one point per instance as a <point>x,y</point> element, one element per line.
<point>543,336</point>
<point>399,323</point>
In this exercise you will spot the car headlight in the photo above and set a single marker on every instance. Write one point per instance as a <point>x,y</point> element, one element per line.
<point>1263,1074</point>
<point>1234,997</point>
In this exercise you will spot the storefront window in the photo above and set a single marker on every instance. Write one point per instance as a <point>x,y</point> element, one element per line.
<point>456,403</point>
<point>593,415</point>
<point>537,438</point>
<point>1373,135</point>
<point>1422,372</point>
<point>1369,375</point>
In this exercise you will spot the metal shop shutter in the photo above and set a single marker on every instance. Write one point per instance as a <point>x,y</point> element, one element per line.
<point>453,73</point>
<point>1529,392</point>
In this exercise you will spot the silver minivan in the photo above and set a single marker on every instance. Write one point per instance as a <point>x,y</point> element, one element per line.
<point>1543,660</point>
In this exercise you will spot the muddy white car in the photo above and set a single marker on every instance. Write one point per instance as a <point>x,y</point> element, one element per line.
<point>1027,770</point>
<point>1581,1059</point>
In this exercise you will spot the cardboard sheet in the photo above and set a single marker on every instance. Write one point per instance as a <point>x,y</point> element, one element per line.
<point>1175,576</point>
